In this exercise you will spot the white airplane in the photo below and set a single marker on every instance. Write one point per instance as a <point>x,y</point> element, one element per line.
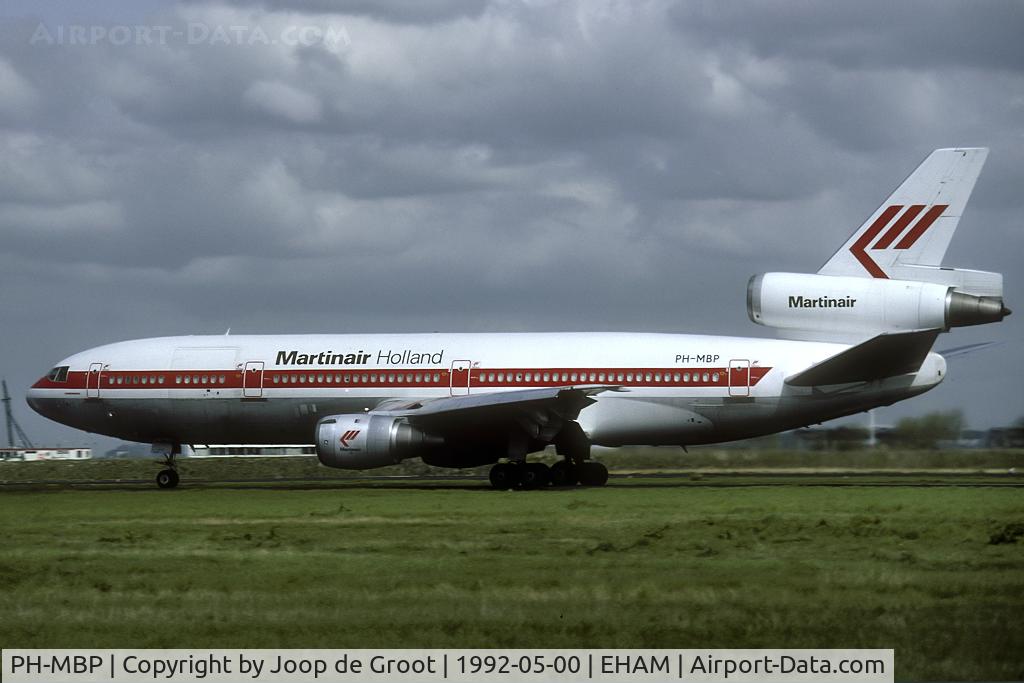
<point>856,335</point>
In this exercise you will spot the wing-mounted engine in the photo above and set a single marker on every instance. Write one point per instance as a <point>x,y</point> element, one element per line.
<point>855,305</point>
<point>359,442</point>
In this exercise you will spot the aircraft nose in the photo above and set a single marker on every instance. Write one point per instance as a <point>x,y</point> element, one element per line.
<point>33,400</point>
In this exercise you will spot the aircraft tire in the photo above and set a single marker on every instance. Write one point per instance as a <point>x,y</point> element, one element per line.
<point>504,476</point>
<point>167,479</point>
<point>563,474</point>
<point>534,475</point>
<point>593,474</point>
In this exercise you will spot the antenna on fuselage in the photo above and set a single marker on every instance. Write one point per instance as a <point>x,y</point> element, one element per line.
<point>13,428</point>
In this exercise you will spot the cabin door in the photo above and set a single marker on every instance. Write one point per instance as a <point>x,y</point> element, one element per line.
<point>739,377</point>
<point>252,379</point>
<point>92,382</point>
<point>459,377</point>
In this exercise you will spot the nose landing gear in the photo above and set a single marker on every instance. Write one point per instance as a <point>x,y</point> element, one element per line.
<point>168,478</point>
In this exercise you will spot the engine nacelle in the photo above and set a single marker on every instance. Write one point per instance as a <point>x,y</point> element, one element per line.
<point>829,303</point>
<point>360,442</point>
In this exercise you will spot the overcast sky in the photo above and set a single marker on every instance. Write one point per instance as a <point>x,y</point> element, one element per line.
<point>287,166</point>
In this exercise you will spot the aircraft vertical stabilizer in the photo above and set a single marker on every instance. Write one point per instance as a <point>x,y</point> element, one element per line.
<point>914,226</point>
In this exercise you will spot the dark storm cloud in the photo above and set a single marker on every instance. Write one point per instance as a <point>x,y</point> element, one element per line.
<point>481,166</point>
<point>919,34</point>
<point>396,11</point>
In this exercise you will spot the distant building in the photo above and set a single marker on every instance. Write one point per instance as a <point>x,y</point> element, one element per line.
<point>251,450</point>
<point>1005,437</point>
<point>33,454</point>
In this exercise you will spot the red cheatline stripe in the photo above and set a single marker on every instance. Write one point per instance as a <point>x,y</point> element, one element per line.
<point>899,226</point>
<point>869,235</point>
<point>933,214</point>
<point>401,378</point>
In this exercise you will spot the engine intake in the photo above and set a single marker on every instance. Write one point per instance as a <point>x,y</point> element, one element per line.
<point>359,442</point>
<point>829,303</point>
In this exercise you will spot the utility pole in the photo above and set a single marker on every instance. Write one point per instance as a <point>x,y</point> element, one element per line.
<point>13,428</point>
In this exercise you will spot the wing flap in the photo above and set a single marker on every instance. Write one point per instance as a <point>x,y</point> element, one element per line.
<point>459,413</point>
<point>886,355</point>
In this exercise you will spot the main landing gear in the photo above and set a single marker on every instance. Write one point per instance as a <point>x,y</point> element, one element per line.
<point>167,478</point>
<point>527,476</point>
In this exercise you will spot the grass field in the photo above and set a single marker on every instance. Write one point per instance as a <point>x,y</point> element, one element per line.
<point>701,460</point>
<point>937,574</point>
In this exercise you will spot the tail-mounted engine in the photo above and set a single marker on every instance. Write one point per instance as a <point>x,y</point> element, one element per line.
<point>359,442</point>
<point>829,303</point>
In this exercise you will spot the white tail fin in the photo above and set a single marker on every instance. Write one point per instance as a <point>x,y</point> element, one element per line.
<point>915,225</point>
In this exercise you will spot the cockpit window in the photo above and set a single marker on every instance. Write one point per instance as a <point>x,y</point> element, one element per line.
<point>58,374</point>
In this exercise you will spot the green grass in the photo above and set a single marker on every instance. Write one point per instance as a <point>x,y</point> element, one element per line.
<point>618,460</point>
<point>937,574</point>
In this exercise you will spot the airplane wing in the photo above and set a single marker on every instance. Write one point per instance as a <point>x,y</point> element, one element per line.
<point>883,356</point>
<point>531,409</point>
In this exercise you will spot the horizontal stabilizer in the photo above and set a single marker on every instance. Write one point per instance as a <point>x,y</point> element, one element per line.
<point>883,356</point>
<point>958,351</point>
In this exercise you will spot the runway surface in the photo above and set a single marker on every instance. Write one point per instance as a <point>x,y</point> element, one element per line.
<point>739,479</point>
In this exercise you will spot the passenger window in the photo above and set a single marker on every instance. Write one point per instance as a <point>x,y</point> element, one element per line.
<point>188,380</point>
<point>620,377</point>
<point>629,376</point>
<point>529,377</point>
<point>501,376</point>
<point>145,379</point>
<point>110,380</point>
<point>348,379</point>
<point>675,377</point>
<point>647,377</point>
<point>177,379</point>
<point>714,377</point>
<point>160,379</point>
<point>600,377</point>
<point>519,377</point>
<point>302,379</point>
<point>205,379</point>
<point>705,377</point>
<point>437,377</point>
<point>277,379</point>
<point>657,377</point>
<point>593,377</point>
<point>373,378</point>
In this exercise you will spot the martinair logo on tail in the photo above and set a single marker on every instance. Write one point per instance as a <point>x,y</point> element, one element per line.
<point>895,231</point>
<point>348,436</point>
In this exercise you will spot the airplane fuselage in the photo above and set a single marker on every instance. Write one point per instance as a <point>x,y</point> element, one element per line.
<point>670,389</point>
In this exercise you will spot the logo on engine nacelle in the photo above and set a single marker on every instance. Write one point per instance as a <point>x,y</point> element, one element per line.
<point>348,436</point>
